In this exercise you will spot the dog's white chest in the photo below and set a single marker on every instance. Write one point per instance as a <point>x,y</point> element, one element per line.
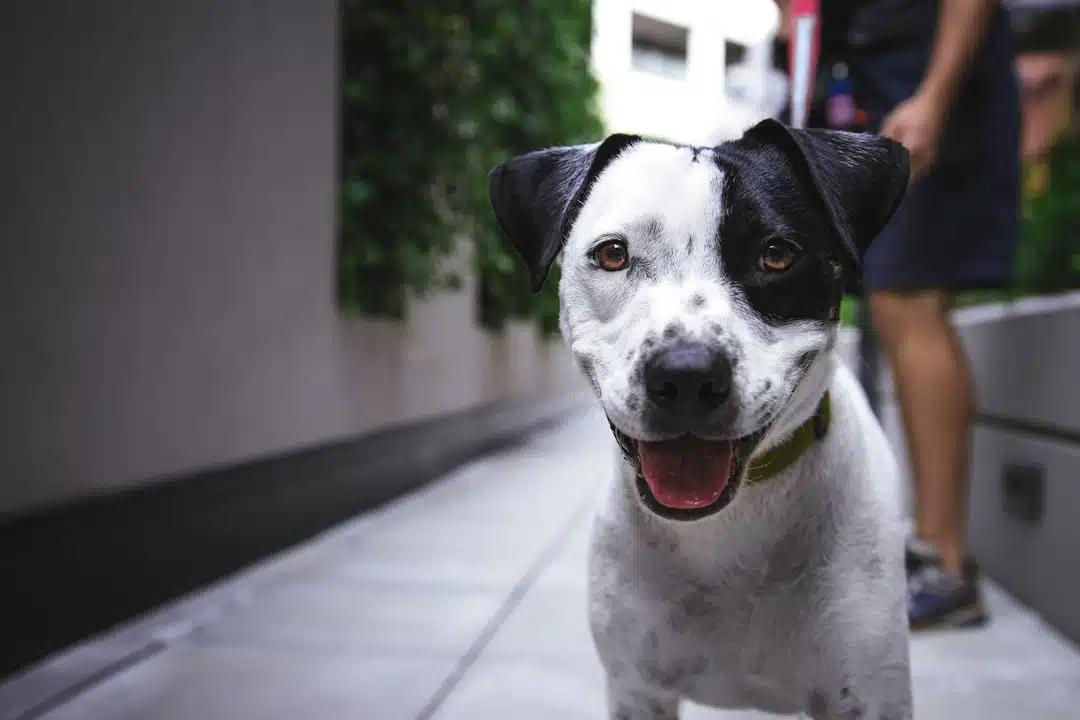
<point>738,641</point>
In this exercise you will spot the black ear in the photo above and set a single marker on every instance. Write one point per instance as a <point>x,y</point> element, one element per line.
<point>858,179</point>
<point>536,197</point>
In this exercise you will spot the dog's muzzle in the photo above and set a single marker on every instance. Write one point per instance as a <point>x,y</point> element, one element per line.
<point>687,478</point>
<point>688,386</point>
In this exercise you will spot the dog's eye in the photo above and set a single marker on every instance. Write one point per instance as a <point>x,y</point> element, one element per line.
<point>778,256</point>
<point>612,255</point>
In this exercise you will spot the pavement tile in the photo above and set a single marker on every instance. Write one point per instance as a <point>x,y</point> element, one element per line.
<point>334,616</point>
<point>218,683</point>
<point>527,689</point>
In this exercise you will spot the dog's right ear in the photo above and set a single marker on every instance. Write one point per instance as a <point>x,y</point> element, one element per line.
<point>859,179</point>
<point>536,197</point>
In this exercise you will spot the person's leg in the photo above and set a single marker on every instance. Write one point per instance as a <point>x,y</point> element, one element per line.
<point>957,228</point>
<point>934,390</point>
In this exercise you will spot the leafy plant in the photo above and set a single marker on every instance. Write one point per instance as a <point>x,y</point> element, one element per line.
<point>434,95</point>
<point>1049,254</point>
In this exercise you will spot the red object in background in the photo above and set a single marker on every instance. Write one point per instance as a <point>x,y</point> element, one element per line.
<point>804,47</point>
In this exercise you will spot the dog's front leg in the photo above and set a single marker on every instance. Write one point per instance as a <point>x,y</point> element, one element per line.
<point>627,702</point>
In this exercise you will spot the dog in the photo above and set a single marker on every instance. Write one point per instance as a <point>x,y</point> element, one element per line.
<point>748,555</point>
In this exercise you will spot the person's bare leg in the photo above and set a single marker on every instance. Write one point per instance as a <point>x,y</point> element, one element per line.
<point>934,389</point>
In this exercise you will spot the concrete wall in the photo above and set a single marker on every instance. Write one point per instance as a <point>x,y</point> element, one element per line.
<point>167,271</point>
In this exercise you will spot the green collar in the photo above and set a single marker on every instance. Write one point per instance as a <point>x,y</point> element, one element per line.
<point>784,455</point>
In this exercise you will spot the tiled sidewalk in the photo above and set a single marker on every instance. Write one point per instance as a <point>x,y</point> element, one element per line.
<point>463,602</point>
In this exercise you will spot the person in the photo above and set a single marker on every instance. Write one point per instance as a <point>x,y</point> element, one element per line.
<point>940,77</point>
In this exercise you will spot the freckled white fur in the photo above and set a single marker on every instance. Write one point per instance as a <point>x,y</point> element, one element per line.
<point>791,599</point>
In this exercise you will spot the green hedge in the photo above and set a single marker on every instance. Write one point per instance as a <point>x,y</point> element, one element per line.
<point>1049,255</point>
<point>434,94</point>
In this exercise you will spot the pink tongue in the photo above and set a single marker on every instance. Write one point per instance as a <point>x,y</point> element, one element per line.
<point>687,473</point>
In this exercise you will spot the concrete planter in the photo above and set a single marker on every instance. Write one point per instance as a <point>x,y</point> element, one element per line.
<point>1026,454</point>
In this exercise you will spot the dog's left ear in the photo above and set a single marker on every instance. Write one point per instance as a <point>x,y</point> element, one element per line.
<point>859,179</point>
<point>536,197</point>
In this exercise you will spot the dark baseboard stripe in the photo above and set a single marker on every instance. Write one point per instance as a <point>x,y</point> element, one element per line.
<point>75,571</point>
<point>1024,427</point>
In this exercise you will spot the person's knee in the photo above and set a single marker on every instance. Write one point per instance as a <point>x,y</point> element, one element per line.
<point>897,313</point>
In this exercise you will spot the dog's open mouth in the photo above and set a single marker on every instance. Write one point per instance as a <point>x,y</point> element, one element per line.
<point>687,478</point>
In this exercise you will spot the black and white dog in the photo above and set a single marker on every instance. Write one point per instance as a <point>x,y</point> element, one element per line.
<point>749,554</point>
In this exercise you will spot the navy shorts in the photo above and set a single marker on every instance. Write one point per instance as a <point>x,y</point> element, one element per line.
<point>958,226</point>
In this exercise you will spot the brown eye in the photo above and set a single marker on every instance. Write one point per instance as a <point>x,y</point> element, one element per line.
<point>778,256</point>
<point>612,255</point>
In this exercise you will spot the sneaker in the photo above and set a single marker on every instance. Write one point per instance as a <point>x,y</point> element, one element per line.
<point>919,553</point>
<point>940,600</point>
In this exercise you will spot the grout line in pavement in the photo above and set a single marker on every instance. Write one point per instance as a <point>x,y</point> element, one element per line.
<point>62,698</point>
<point>517,594</point>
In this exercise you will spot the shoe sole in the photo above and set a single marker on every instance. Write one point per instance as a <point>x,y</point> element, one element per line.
<point>966,618</point>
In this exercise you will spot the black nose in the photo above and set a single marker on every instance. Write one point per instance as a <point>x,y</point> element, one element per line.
<point>688,380</point>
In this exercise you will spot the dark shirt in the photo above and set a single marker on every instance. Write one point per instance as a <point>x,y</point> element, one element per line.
<point>835,21</point>
<point>873,23</point>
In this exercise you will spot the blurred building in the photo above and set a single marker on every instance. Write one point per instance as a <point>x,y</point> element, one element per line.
<point>685,70</point>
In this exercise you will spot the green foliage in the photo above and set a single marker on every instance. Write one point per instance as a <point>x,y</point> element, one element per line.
<point>435,94</point>
<point>1049,255</point>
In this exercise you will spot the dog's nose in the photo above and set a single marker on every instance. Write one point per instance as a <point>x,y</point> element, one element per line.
<point>688,379</point>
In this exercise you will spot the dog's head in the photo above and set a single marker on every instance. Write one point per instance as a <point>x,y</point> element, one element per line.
<point>699,285</point>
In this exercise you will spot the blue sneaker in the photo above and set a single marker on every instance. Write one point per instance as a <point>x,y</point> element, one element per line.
<point>939,600</point>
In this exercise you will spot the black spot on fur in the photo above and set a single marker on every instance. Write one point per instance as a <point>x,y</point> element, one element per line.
<point>817,705</point>
<point>875,567</point>
<point>855,709</point>
<point>696,603</point>
<point>671,331</point>
<point>765,387</point>
<point>657,709</point>
<point>649,342</point>
<point>673,675</point>
<point>697,301</point>
<point>678,621</point>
